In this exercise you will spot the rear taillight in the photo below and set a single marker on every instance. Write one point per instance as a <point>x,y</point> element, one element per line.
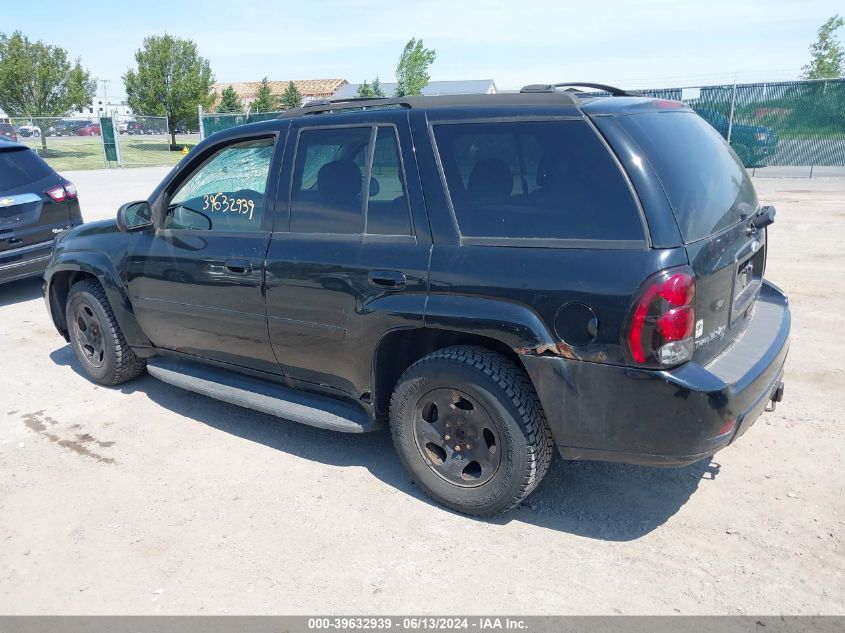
<point>62,192</point>
<point>662,320</point>
<point>58,194</point>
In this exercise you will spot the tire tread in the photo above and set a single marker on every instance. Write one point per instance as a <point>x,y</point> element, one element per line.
<point>126,364</point>
<point>516,386</point>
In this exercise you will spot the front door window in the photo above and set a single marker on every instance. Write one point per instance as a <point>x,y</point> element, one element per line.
<point>227,193</point>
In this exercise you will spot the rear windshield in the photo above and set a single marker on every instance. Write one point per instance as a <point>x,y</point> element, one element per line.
<point>705,182</point>
<point>19,167</point>
<point>535,179</point>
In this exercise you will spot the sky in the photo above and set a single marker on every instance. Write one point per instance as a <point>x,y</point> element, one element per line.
<point>633,44</point>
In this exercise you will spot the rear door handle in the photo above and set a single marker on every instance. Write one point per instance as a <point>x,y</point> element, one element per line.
<point>387,279</point>
<point>238,266</point>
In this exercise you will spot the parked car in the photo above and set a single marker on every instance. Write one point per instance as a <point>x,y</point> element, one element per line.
<point>29,131</point>
<point>491,276</point>
<point>136,127</point>
<point>89,130</point>
<point>7,132</point>
<point>68,127</point>
<point>36,203</point>
<point>752,143</point>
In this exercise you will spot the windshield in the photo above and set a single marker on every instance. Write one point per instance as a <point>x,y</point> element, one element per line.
<point>706,184</point>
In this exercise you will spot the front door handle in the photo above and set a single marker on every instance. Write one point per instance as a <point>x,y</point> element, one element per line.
<point>238,266</point>
<point>387,279</point>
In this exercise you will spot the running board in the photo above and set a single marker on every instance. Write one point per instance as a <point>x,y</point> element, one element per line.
<point>264,396</point>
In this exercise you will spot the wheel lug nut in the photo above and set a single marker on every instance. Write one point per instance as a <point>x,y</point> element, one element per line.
<point>446,437</point>
<point>458,448</point>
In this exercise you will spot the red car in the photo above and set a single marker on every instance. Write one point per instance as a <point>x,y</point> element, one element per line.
<point>8,132</point>
<point>89,130</point>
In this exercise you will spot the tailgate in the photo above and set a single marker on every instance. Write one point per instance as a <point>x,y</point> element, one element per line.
<point>728,277</point>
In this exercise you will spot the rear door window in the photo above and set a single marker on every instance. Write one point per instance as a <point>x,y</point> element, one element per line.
<point>535,179</point>
<point>328,177</point>
<point>19,167</point>
<point>706,184</point>
<point>387,207</point>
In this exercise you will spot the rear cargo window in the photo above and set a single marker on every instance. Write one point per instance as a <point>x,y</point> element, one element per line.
<point>706,184</point>
<point>535,179</point>
<point>21,167</point>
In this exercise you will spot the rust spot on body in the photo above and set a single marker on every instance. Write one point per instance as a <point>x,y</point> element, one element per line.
<point>554,349</point>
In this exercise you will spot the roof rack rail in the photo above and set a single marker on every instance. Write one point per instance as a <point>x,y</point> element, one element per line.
<point>616,92</point>
<point>329,105</point>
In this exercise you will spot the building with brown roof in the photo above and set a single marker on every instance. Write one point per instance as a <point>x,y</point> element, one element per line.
<point>310,89</point>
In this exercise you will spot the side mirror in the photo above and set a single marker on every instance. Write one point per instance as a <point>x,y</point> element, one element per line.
<point>134,216</point>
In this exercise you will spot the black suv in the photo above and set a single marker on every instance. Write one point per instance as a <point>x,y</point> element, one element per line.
<point>36,203</point>
<point>491,276</point>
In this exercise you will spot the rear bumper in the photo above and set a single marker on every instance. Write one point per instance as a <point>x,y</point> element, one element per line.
<point>666,418</point>
<point>27,261</point>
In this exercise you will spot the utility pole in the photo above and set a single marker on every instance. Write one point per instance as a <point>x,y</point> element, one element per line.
<point>105,96</point>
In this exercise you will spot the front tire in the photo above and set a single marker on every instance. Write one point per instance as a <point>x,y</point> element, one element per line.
<point>468,426</point>
<point>96,337</point>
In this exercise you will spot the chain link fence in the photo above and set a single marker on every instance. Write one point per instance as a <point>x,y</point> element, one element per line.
<point>783,124</point>
<point>215,122</point>
<point>146,140</point>
<point>69,143</point>
<point>65,143</point>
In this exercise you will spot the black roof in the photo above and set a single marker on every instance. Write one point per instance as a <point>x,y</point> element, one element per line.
<point>531,95</point>
<point>446,101</point>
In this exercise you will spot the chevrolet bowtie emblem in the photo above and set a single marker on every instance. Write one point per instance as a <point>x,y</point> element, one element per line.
<point>6,202</point>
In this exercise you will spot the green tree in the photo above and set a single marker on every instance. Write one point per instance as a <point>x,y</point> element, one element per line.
<point>172,79</point>
<point>370,90</point>
<point>264,100</point>
<point>364,90</point>
<point>291,97</point>
<point>828,56</point>
<point>412,70</point>
<point>230,101</point>
<point>38,79</point>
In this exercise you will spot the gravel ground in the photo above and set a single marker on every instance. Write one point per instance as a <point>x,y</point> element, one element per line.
<point>146,499</point>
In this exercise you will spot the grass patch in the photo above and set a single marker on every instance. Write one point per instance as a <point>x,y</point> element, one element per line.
<point>81,152</point>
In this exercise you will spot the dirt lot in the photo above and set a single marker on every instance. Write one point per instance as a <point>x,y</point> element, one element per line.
<point>147,499</point>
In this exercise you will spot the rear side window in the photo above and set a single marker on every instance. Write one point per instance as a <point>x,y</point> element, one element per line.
<point>21,167</point>
<point>387,208</point>
<point>706,184</point>
<point>535,179</point>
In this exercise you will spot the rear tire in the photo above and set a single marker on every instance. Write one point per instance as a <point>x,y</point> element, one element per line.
<point>96,337</point>
<point>468,426</point>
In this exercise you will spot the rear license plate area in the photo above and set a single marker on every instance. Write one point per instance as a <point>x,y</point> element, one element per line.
<point>747,284</point>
